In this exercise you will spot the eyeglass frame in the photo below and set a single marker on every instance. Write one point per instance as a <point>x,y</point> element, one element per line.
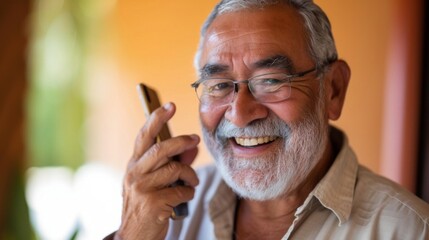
<point>289,77</point>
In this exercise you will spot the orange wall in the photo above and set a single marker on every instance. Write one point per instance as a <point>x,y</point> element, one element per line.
<point>154,42</point>
<point>361,30</point>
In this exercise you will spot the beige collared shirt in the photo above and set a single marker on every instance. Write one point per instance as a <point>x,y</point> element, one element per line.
<point>350,202</point>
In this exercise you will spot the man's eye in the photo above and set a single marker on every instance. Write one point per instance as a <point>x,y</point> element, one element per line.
<point>218,87</point>
<point>268,84</point>
<point>270,81</point>
<point>222,86</point>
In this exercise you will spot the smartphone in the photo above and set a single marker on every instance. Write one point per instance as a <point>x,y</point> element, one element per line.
<point>150,101</point>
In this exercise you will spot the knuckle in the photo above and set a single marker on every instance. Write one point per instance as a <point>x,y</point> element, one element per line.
<point>147,131</point>
<point>184,193</point>
<point>141,185</point>
<point>155,150</point>
<point>128,179</point>
<point>180,193</point>
<point>141,134</point>
<point>172,168</point>
<point>134,187</point>
<point>163,217</point>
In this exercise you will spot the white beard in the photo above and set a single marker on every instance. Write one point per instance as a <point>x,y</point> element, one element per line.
<point>300,147</point>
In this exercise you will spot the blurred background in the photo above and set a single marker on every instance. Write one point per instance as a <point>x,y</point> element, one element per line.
<point>69,110</point>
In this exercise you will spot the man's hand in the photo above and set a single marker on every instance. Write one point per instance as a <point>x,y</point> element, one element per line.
<point>148,196</point>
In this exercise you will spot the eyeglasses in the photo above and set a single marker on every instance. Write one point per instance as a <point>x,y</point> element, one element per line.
<point>265,88</point>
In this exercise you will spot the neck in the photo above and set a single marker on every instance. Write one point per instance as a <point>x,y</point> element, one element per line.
<point>256,219</point>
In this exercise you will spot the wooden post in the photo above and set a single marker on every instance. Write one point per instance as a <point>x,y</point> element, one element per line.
<point>14,31</point>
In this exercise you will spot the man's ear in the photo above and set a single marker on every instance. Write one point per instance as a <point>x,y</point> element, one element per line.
<point>337,80</point>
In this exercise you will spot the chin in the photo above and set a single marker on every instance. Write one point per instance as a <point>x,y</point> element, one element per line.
<point>255,184</point>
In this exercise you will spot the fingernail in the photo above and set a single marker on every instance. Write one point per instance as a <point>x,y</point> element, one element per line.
<point>168,106</point>
<point>195,137</point>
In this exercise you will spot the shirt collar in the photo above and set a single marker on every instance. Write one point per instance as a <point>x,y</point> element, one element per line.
<point>221,209</point>
<point>335,190</point>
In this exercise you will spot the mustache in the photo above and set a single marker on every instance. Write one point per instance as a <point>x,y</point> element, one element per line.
<point>270,126</point>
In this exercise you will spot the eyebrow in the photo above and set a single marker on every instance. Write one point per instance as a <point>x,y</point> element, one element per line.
<point>277,61</point>
<point>211,69</point>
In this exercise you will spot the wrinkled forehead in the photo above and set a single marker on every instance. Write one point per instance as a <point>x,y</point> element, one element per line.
<point>254,33</point>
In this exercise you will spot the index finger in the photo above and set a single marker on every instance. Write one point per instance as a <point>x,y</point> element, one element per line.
<point>160,153</point>
<point>148,133</point>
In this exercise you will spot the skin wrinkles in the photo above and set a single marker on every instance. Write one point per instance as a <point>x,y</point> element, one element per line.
<point>221,61</point>
<point>224,50</point>
<point>279,61</point>
<point>219,36</point>
<point>307,87</point>
<point>276,63</point>
<point>254,36</point>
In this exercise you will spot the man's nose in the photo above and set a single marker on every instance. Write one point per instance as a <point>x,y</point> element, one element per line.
<point>244,108</point>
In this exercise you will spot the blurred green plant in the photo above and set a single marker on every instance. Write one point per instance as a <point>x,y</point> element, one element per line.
<point>56,104</point>
<point>62,33</point>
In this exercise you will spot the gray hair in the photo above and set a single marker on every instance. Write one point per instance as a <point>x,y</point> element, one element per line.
<point>321,43</point>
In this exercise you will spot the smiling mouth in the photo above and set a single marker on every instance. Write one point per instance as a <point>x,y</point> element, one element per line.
<point>253,141</point>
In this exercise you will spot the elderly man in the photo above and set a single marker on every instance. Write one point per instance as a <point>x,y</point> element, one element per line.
<point>270,81</point>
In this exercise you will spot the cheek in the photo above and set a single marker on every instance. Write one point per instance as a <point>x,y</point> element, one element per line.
<point>210,117</point>
<point>288,112</point>
<point>292,111</point>
<point>302,101</point>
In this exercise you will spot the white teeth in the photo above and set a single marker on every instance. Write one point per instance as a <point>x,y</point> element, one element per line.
<point>249,142</point>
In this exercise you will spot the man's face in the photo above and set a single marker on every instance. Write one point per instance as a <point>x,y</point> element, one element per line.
<point>263,150</point>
